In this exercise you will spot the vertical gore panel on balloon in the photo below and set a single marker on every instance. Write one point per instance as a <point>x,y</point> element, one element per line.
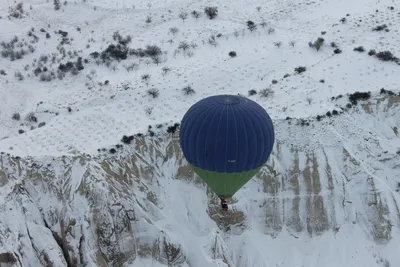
<point>199,142</point>
<point>194,131</point>
<point>232,141</point>
<point>242,145</point>
<point>261,133</point>
<point>221,146</point>
<point>186,124</point>
<point>251,139</point>
<point>210,142</point>
<point>194,115</point>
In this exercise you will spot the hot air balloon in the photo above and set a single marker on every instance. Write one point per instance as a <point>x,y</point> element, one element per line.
<point>226,139</point>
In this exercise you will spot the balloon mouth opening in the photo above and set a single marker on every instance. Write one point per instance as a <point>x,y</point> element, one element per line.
<point>228,100</point>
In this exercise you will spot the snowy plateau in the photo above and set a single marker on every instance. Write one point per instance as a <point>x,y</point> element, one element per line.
<point>91,96</point>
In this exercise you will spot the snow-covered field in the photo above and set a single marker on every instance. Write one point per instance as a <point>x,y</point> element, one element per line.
<point>327,197</point>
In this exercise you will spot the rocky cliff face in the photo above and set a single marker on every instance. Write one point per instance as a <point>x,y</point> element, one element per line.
<point>144,205</point>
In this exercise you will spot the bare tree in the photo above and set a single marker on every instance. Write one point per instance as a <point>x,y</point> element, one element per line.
<point>184,45</point>
<point>278,44</point>
<point>267,92</point>
<point>154,92</point>
<point>212,41</point>
<point>149,19</point>
<point>195,14</point>
<point>183,15</point>
<point>157,60</point>
<point>165,70</point>
<point>173,30</point>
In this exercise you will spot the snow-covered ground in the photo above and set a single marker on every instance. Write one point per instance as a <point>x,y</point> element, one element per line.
<point>327,197</point>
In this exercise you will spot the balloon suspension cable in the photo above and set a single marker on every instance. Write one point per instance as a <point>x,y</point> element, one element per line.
<point>224,204</point>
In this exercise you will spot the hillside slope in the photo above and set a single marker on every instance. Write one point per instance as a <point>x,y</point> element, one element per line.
<point>320,200</point>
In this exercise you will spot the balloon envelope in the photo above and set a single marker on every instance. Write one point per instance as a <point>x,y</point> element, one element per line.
<point>226,139</point>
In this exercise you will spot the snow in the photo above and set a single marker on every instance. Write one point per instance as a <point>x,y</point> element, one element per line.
<point>327,197</point>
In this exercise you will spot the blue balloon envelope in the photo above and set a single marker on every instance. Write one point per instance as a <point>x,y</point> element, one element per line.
<point>226,139</point>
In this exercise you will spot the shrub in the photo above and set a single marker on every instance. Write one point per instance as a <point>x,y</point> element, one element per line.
<point>386,56</point>
<point>127,139</point>
<point>16,116</point>
<point>211,12</point>
<point>354,98</point>
<point>232,54</point>
<point>17,11</point>
<point>31,117</point>
<point>359,49</point>
<point>380,28</point>
<point>337,51</point>
<point>300,69</point>
<point>371,52</point>
<point>252,92</point>
<point>153,50</point>
<point>251,26</point>
<point>19,76</point>
<point>118,52</point>
<point>387,92</point>
<point>172,129</point>
<point>145,77</point>
<point>318,43</point>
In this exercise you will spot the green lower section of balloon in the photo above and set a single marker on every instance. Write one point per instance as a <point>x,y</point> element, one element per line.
<point>225,184</point>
